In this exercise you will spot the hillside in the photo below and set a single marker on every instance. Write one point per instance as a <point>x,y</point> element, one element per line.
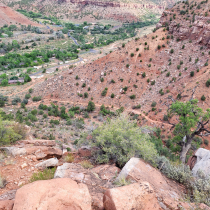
<point>9,16</point>
<point>95,10</point>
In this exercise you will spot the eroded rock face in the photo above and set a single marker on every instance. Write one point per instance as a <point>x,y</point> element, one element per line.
<point>52,162</point>
<point>62,194</point>
<point>138,196</point>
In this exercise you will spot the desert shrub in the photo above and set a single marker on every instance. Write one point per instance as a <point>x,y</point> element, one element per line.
<point>85,95</point>
<point>40,112</point>
<point>30,90</point>
<point>27,78</point>
<point>56,122</point>
<point>22,105</point>
<point>8,132</point>
<point>3,182</point>
<point>16,100</point>
<point>69,158</point>
<point>4,82</point>
<point>153,104</point>
<point>84,85</point>
<point>119,139</point>
<point>153,82</point>
<point>25,101</point>
<point>79,123</point>
<point>34,112</point>
<point>86,164</point>
<point>69,122</point>
<point>36,98</point>
<point>2,103</point>
<point>102,79</point>
<point>112,95</point>
<point>91,106</point>
<point>172,51</point>
<point>208,83</point>
<point>132,96</point>
<point>143,74</point>
<point>44,116</point>
<point>104,92</point>
<point>168,74</point>
<point>45,175</point>
<point>192,73</point>
<point>27,96</point>
<point>203,98</point>
<point>137,107</point>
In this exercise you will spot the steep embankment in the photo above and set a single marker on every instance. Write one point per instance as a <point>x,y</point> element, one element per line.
<point>9,16</point>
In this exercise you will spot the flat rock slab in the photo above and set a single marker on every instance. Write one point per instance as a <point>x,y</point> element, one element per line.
<point>38,142</point>
<point>52,162</point>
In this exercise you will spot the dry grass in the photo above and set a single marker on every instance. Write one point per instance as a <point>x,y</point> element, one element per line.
<point>86,164</point>
<point>69,158</point>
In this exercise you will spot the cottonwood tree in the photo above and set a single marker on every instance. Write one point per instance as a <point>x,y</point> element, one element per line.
<point>189,121</point>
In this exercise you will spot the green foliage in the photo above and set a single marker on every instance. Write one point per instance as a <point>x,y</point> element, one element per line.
<point>120,139</point>
<point>208,83</point>
<point>132,96</point>
<point>91,106</point>
<point>10,132</point>
<point>192,73</point>
<point>4,82</point>
<point>104,92</point>
<point>45,175</point>
<point>203,98</point>
<point>36,98</point>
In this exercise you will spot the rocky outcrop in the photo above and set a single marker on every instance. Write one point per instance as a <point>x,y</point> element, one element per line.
<point>168,193</point>
<point>202,162</point>
<point>53,194</point>
<point>134,196</point>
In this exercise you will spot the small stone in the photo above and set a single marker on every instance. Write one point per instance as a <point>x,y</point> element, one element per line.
<point>24,165</point>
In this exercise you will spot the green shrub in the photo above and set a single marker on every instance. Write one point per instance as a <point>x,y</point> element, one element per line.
<point>91,106</point>
<point>27,96</point>
<point>104,92</point>
<point>85,95</point>
<point>208,83</point>
<point>2,103</point>
<point>132,96</point>
<point>192,73</point>
<point>143,74</point>
<point>119,139</point>
<point>4,82</point>
<point>102,79</point>
<point>203,98</point>
<point>112,95</point>
<point>132,54</point>
<point>172,51</point>
<point>84,85</point>
<point>30,90</point>
<point>153,82</point>
<point>153,104</point>
<point>45,175</point>
<point>27,78</point>
<point>36,98</point>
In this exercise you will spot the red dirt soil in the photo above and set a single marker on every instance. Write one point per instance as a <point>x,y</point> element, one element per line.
<point>9,16</point>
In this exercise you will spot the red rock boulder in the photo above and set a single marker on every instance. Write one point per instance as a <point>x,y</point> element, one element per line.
<point>55,194</point>
<point>138,196</point>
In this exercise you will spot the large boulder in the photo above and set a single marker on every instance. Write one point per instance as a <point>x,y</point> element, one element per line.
<point>55,194</point>
<point>6,205</point>
<point>202,162</point>
<point>167,191</point>
<point>138,196</point>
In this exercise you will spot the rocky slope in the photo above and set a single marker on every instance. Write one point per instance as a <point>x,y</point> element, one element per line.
<point>150,69</point>
<point>9,16</point>
<point>74,186</point>
<point>93,10</point>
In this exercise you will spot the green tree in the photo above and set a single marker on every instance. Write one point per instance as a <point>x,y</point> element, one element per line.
<point>192,122</point>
